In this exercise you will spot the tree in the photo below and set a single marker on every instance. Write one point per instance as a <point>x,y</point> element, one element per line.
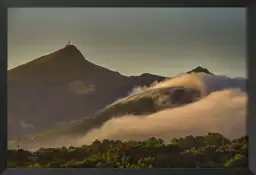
<point>146,162</point>
<point>237,162</point>
<point>36,165</point>
<point>216,139</point>
<point>185,142</point>
<point>209,151</point>
<point>64,149</point>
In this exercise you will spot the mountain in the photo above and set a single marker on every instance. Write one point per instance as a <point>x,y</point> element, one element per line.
<point>64,95</point>
<point>144,103</point>
<point>200,69</point>
<point>170,93</point>
<point>61,87</point>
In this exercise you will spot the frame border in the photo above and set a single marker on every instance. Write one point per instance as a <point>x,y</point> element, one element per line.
<point>127,3</point>
<point>3,87</point>
<point>251,85</point>
<point>251,41</point>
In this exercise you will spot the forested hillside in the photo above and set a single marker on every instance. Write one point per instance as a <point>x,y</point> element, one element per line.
<point>208,151</point>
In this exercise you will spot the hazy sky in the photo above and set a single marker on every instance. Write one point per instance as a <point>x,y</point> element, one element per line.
<point>163,41</point>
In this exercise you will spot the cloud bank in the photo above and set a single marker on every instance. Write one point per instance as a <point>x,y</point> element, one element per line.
<point>222,111</point>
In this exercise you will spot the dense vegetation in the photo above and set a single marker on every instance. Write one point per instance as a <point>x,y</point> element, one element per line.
<point>208,151</point>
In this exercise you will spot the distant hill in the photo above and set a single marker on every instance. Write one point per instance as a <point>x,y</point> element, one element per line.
<point>61,87</point>
<point>200,69</point>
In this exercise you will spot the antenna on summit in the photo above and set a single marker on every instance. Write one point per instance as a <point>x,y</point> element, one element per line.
<point>69,42</point>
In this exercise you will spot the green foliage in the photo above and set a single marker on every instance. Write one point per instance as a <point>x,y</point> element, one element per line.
<point>216,139</point>
<point>209,151</point>
<point>36,165</point>
<point>236,162</point>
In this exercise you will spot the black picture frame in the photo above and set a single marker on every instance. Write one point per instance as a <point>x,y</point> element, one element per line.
<point>251,85</point>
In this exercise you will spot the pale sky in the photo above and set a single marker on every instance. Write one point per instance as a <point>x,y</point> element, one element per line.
<point>132,41</point>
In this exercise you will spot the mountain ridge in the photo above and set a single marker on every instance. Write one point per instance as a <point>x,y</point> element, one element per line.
<point>61,87</point>
<point>147,102</point>
<point>45,91</point>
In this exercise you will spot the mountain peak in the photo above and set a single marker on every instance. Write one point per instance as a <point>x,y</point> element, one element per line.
<point>70,46</point>
<point>70,49</point>
<point>66,58</point>
<point>69,53</point>
<point>200,69</point>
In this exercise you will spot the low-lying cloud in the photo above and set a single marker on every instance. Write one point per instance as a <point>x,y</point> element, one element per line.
<point>223,112</point>
<point>26,126</point>
<point>137,89</point>
<point>193,80</point>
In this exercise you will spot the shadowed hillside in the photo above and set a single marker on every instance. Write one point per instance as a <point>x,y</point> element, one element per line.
<point>142,104</point>
<point>171,93</point>
<point>61,87</point>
